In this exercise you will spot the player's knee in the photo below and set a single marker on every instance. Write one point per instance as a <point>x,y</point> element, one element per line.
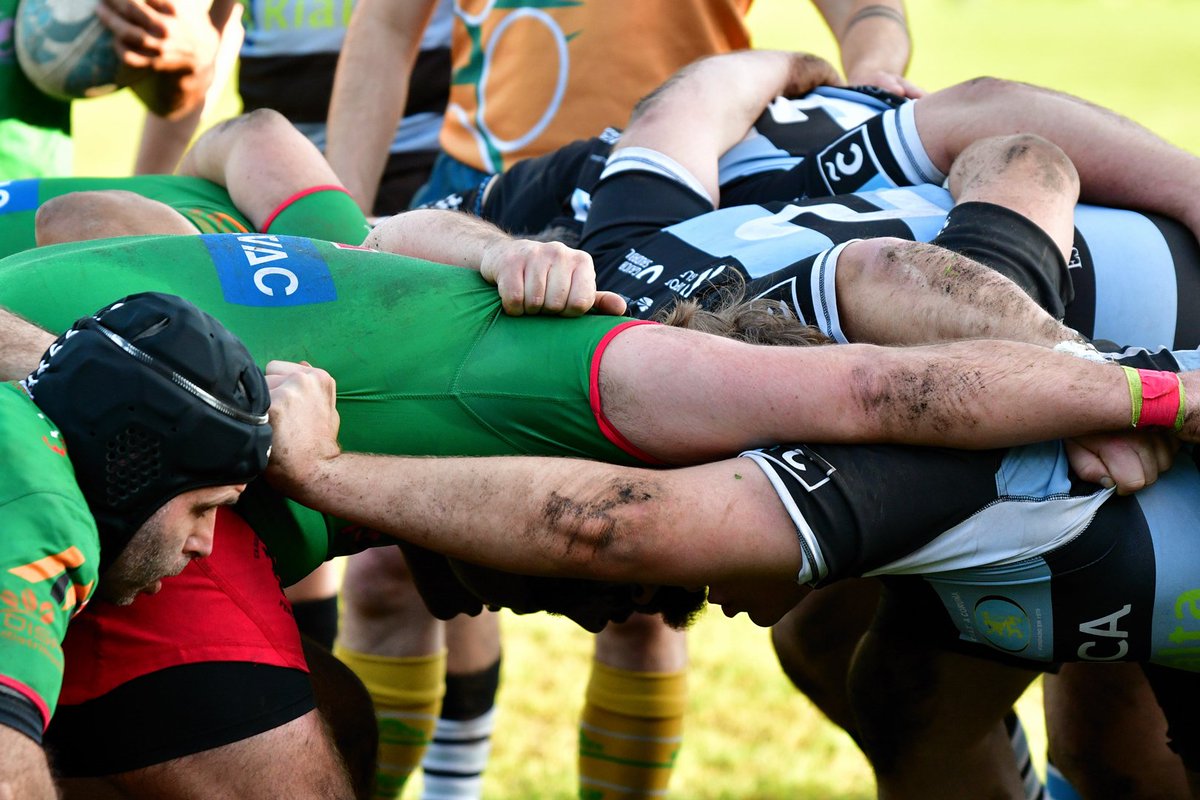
<point>261,123</point>
<point>889,700</point>
<point>645,639</point>
<point>260,119</point>
<point>378,583</point>
<point>873,262</point>
<point>1026,157</point>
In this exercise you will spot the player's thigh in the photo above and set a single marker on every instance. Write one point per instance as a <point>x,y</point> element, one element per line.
<point>911,686</point>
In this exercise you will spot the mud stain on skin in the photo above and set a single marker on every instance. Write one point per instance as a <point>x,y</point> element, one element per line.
<point>993,303</point>
<point>929,396</point>
<point>591,523</point>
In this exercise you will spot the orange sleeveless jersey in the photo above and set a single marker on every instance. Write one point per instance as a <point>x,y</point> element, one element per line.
<point>531,78</point>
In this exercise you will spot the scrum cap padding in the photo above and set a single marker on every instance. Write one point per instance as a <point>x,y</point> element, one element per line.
<point>154,397</point>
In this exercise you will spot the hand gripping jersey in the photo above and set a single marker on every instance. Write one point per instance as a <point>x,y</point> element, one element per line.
<point>816,172</point>
<point>1026,559</point>
<point>48,553</point>
<point>326,212</point>
<point>426,362</point>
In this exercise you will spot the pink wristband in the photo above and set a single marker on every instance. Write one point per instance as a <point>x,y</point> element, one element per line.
<point>1160,399</point>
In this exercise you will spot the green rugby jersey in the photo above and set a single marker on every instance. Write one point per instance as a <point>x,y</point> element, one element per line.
<point>205,204</point>
<point>49,550</point>
<point>322,212</point>
<point>426,362</point>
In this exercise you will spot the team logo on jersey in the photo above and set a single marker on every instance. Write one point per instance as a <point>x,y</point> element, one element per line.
<point>26,621</point>
<point>643,305</point>
<point>640,267</point>
<point>451,202</point>
<point>1003,623</point>
<point>18,196</point>
<point>1076,260</point>
<point>801,464</point>
<point>581,205</point>
<point>849,165</point>
<point>689,281</point>
<point>259,269</point>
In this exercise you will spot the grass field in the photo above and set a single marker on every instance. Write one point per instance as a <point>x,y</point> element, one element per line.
<point>748,734</point>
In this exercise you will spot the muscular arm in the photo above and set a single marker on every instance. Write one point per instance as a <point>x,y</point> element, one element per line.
<point>535,515</point>
<point>709,106</point>
<point>874,42</point>
<point>584,519</point>
<point>21,345</point>
<point>720,398</point>
<point>448,237</point>
<point>370,89</point>
<point>686,397</point>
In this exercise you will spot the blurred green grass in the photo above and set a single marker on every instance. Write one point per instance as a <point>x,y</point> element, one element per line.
<point>748,734</point>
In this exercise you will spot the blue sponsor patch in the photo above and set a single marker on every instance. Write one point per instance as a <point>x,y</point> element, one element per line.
<point>259,269</point>
<point>18,195</point>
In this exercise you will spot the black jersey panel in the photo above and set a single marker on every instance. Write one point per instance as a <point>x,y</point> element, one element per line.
<point>1103,588</point>
<point>537,193</point>
<point>1014,246</point>
<point>1185,253</point>
<point>869,505</point>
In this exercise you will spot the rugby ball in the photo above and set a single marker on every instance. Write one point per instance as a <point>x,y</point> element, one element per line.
<point>64,49</point>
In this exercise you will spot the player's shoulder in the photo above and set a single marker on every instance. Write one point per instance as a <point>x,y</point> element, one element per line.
<point>34,453</point>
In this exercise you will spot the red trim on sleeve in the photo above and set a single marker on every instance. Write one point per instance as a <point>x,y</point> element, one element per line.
<point>266,228</point>
<point>606,427</point>
<point>31,696</point>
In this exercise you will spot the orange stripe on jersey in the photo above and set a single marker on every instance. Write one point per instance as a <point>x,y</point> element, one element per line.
<point>224,218</point>
<point>50,566</point>
<point>213,221</point>
<point>77,593</point>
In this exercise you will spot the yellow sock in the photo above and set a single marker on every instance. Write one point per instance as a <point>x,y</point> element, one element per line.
<point>630,732</point>
<point>408,697</point>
